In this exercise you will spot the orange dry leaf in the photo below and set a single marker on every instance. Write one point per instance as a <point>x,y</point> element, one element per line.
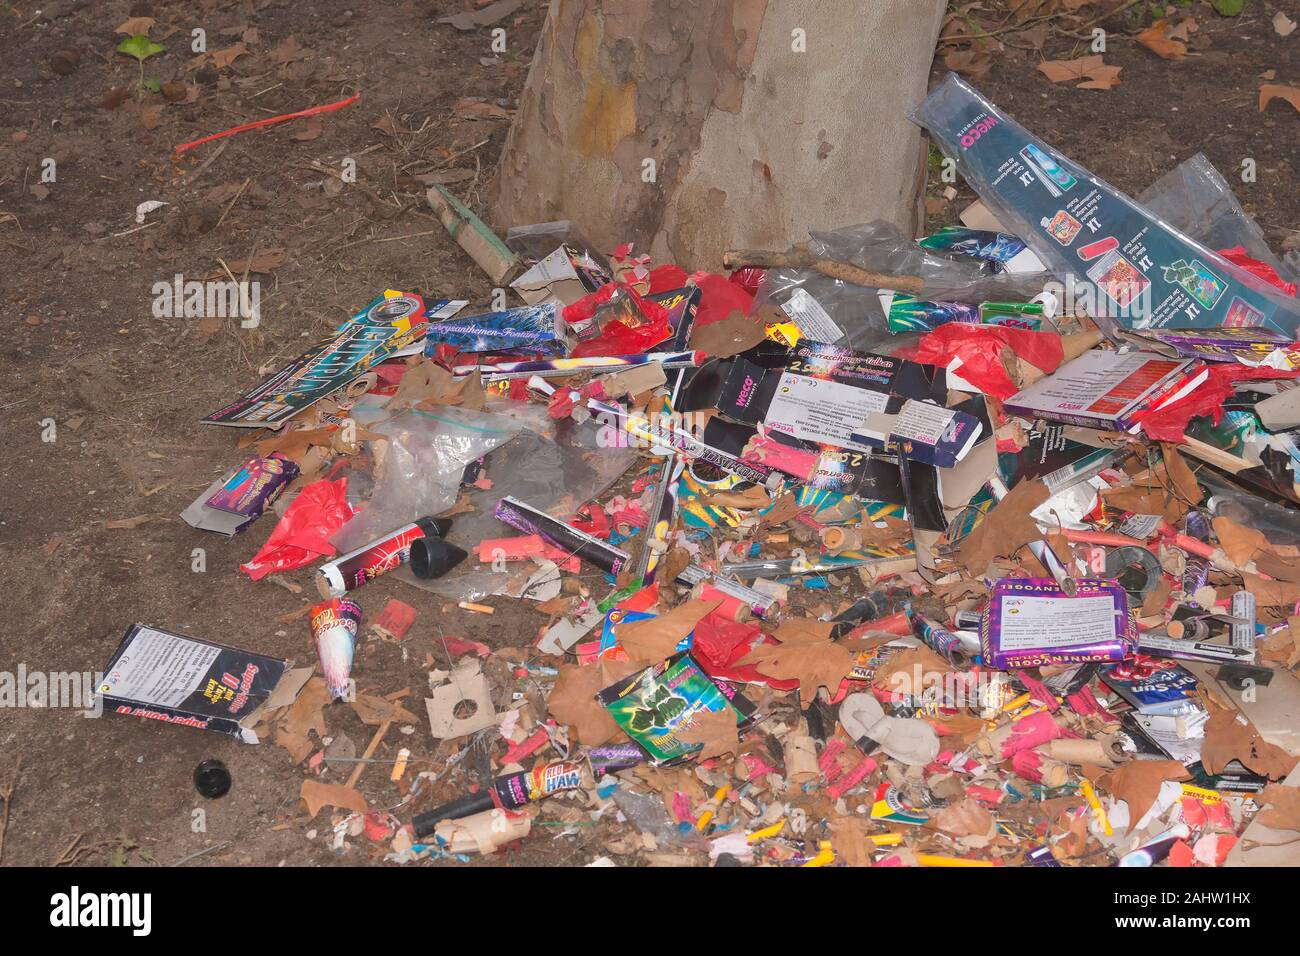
<point>1238,542</point>
<point>815,665</point>
<point>1156,39</point>
<point>304,715</point>
<point>1230,736</point>
<point>573,701</point>
<point>223,58</point>
<point>1091,68</point>
<point>316,795</point>
<point>849,839</point>
<point>964,819</point>
<point>1269,91</point>
<point>136,26</point>
<point>1137,783</point>
<point>1283,807</point>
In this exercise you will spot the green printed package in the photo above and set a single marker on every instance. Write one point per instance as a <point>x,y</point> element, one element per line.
<point>655,704</point>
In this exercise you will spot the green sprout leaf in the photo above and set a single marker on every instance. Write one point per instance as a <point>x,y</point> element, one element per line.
<point>153,84</point>
<point>1228,8</point>
<point>140,47</point>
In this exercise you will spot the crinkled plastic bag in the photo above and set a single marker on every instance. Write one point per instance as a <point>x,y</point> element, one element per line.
<point>557,471</point>
<point>842,313</point>
<point>420,471</point>
<point>1196,199</point>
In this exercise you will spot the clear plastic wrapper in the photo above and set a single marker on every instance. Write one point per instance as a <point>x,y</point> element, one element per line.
<point>1193,197</point>
<point>557,470</point>
<point>1278,523</point>
<point>420,470</point>
<point>842,313</point>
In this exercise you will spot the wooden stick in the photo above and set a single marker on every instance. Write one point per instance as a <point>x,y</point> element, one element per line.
<point>370,752</point>
<point>802,259</point>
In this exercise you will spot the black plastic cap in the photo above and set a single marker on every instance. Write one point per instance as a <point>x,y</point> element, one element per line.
<point>434,557</point>
<point>434,527</point>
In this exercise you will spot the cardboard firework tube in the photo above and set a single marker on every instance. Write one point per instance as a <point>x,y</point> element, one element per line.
<point>559,534</point>
<point>334,625</point>
<point>347,573</point>
<point>510,792</point>
<point>1105,752</point>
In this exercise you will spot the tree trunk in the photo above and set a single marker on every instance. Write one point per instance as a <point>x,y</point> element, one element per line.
<point>694,126</point>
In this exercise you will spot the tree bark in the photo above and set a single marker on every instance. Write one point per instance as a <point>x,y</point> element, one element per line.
<point>694,126</point>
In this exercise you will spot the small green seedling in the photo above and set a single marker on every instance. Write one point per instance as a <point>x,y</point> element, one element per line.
<point>140,47</point>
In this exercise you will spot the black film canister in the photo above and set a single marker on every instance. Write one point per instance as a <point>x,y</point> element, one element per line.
<point>212,779</point>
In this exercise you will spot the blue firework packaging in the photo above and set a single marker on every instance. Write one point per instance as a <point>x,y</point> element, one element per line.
<point>527,329</point>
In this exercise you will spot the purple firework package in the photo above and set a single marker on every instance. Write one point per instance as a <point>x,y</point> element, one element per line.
<point>1031,622</point>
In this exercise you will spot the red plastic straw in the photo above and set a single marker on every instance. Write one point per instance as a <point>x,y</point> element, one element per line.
<point>269,121</point>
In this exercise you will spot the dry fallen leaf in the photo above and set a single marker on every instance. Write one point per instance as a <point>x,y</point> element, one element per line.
<point>1181,475</point>
<point>1091,68</point>
<point>849,840</point>
<point>309,129</point>
<point>127,524</point>
<point>1239,543</point>
<point>467,107</point>
<point>136,26</point>
<point>1227,738</point>
<point>1283,811</point>
<point>150,116</point>
<point>375,711</point>
<point>387,125</point>
<point>655,639</point>
<point>899,672</point>
<point>288,50</point>
<point>812,665</point>
<point>975,64</point>
<point>716,729</point>
<point>292,731</point>
<point>263,263</point>
<point>1184,30</point>
<point>1137,783</point>
<point>1005,529</point>
<point>1269,91</point>
<point>1271,593</point>
<point>573,700</point>
<point>1283,24</point>
<point>223,58</point>
<point>294,444</point>
<point>803,630</point>
<point>316,795</point>
<point>967,818</point>
<point>1156,39</point>
<point>728,337</point>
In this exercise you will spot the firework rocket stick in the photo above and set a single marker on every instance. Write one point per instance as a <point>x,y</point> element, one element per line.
<point>558,368</point>
<point>665,506</point>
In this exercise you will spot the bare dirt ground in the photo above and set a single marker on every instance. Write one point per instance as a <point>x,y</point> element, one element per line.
<point>125,389</point>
